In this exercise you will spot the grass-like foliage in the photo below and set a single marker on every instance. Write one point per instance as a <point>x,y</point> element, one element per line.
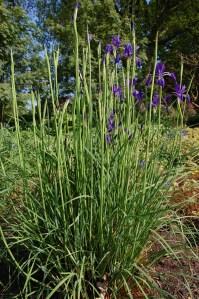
<point>98,186</point>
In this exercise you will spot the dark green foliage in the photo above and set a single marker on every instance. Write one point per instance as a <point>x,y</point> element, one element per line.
<point>52,25</point>
<point>19,33</point>
<point>176,21</point>
<point>178,26</point>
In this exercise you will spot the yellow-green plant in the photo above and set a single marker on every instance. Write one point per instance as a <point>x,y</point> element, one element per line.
<point>99,187</point>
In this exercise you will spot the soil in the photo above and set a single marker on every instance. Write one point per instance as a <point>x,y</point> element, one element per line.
<point>179,277</point>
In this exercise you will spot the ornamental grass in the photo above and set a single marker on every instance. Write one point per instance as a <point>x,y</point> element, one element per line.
<point>102,166</point>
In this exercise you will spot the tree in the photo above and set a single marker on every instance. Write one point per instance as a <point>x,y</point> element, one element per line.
<point>19,33</point>
<point>176,21</point>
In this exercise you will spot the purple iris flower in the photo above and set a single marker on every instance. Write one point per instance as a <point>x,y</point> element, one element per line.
<point>108,138</point>
<point>111,122</point>
<point>160,68</point>
<point>116,41</point>
<point>133,82</point>
<point>138,94</point>
<point>148,80</point>
<point>128,50</point>
<point>155,100</point>
<point>160,73</point>
<point>117,91</point>
<point>172,76</point>
<point>181,93</point>
<point>138,63</point>
<point>77,5</point>
<point>117,59</point>
<point>109,49</point>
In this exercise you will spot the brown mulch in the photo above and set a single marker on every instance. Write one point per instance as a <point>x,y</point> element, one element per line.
<point>187,193</point>
<point>178,278</point>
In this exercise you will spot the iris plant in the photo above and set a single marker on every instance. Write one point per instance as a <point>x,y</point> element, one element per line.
<point>148,80</point>
<point>109,49</point>
<point>116,41</point>
<point>117,59</point>
<point>160,73</point>
<point>181,93</point>
<point>133,82</point>
<point>111,122</point>
<point>128,50</point>
<point>155,100</point>
<point>117,91</point>
<point>94,196</point>
<point>89,37</point>
<point>77,5</point>
<point>138,94</point>
<point>110,127</point>
<point>108,138</point>
<point>138,63</point>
